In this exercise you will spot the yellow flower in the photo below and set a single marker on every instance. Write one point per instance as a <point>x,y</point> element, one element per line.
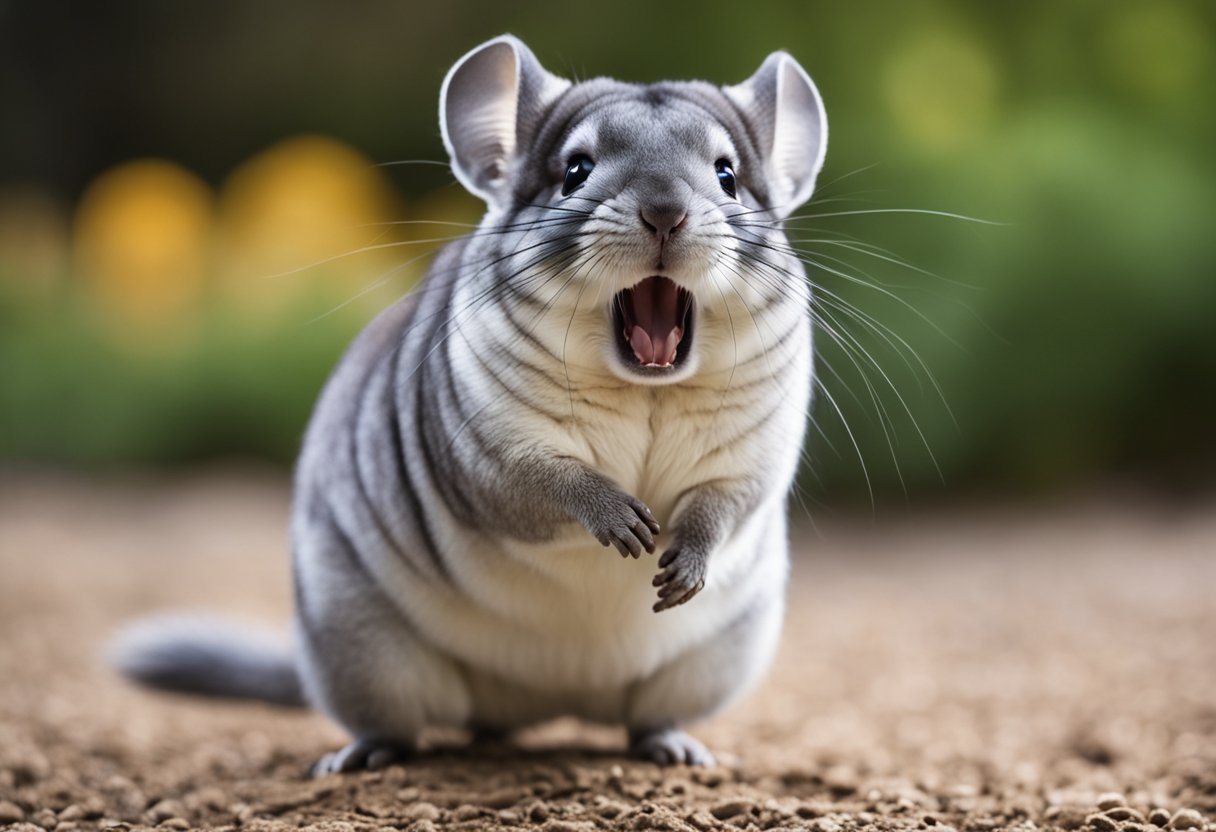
<point>142,237</point>
<point>308,211</point>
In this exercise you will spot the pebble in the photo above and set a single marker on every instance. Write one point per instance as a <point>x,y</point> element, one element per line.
<point>208,797</point>
<point>1065,817</point>
<point>1124,813</point>
<point>556,825</point>
<point>609,809</point>
<point>166,809</point>
<point>10,812</point>
<point>45,818</point>
<point>380,811</point>
<point>118,783</point>
<point>422,811</point>
<point>1102,823</point>
<point>466,811</point>
<point>1111,800</point>
<point>730,809</point>
<point>1186,819</point>
<point>71,813</point>
<point>842,780</point>
<point>175,823</point>
<point>29,767</point>
<point>1159,817</point>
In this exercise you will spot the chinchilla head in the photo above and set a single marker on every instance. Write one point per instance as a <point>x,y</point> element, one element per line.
<point>640,224</point>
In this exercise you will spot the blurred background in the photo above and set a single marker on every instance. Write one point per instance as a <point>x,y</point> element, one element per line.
<point>196,208</point>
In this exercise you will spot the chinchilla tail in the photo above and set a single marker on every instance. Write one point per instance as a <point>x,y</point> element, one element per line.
<point>208,657</point>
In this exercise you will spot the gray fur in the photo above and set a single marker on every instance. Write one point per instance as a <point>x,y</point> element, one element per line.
<point>208,657</point>
<point>481,437</point>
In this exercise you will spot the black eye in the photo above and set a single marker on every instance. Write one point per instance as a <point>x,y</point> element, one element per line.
<point>726,176</point>
<point>577,171</point>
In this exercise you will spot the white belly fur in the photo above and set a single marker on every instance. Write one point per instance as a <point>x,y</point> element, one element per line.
<point>571,616</point>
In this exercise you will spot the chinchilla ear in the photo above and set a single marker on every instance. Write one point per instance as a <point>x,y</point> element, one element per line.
<point>490,101</point>
<point>785,108</point>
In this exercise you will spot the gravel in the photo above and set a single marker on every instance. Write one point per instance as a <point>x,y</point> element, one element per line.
<point>970,670</point>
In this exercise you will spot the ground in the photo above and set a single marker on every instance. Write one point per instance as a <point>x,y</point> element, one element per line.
<point>971,668</point>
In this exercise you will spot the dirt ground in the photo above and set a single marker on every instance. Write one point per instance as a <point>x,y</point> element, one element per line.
<point>974,669</point>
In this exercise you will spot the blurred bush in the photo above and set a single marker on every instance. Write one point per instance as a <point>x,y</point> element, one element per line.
<point>197,305</point>
<point>191,327</point>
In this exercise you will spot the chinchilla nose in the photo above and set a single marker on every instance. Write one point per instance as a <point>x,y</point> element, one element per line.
<point>663,218</point>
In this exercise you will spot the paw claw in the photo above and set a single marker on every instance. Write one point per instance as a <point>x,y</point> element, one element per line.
<point>642,532</point>
<point>647,517</point>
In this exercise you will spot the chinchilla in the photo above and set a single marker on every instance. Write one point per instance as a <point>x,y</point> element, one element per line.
<point>619,356</point>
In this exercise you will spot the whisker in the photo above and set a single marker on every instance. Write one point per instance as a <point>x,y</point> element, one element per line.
<point>927,211</point>
<point>399,244</point>
<point>401,162</point>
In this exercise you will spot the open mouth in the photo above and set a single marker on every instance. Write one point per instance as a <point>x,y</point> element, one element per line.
<point>653,321</point>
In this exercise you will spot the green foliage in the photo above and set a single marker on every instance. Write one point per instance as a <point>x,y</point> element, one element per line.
<point>234,387</point>
<point>1082,346</point>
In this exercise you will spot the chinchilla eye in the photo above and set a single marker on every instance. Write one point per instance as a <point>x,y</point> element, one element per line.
<point>577,171</point>
<point>726,177</point>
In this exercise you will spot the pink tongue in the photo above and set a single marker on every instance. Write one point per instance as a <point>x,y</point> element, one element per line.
<point>656,332</point>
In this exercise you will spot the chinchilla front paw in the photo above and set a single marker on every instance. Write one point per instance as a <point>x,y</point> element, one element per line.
<point>683,575</point>
<point>624,522</point>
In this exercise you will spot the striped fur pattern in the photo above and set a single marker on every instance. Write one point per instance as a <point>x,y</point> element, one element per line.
<point>485,439</point>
